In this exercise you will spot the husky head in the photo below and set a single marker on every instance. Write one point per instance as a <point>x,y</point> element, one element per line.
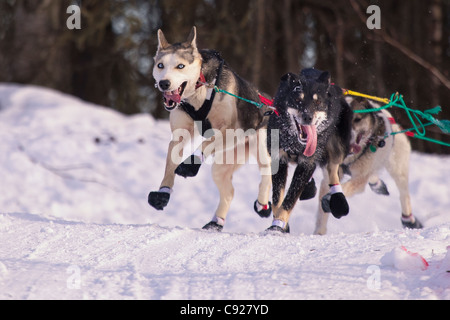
<point>177,69</point>
<point>305,102</point>
<point>363,124</point>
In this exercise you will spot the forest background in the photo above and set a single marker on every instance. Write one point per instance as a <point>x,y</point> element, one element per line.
<point>109,60</point>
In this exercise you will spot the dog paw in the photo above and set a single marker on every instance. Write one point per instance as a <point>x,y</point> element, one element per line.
<point>411,222</point>
<point>158,200</point>
<point>336,204</point>
<point>310,191</point>
<point>213,226</point>
<point>279,227</point>
<point>263,211</point>
<point>379,188</point>
<point>190,167</point>
<point>339,205</point>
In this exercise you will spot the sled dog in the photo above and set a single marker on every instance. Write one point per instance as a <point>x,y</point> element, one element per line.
<point>314,126</point>
<point>186,77</point>
<point>372,148</point>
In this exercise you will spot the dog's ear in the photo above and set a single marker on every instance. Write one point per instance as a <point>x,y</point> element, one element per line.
<point>192,38</point>
<point>288,77</point>
<point>325,77</point>
<point>162,42</point>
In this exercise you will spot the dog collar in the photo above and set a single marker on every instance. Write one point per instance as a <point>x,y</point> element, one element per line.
<point>380,141</point>
<point>201,81</point>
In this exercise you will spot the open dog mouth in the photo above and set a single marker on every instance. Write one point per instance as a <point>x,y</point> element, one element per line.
<point>356,147</point>
<point>307,135</point>
<point>173,98</point>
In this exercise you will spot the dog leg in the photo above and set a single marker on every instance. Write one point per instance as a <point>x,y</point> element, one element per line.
<point>310,191</point>
<point>335,201</point>
<point>322,217</point>
<point>160,199</point>
<point>279,178</point>
<point>190,166</point>
<point>357,184</point>
<point>182,131</point>
<point>222,175</point>
<point>398,168</point>
<point>214,140</point>
<point>279,184</point>
<point>262,206</point>
<point>333,173</point>
<point>378,186</point>
<point>281,216</point>
<point>399,171</point>
<point>401,180</point>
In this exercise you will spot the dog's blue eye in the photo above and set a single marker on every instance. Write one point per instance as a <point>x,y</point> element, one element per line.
<point>180,66</point>
<point>160,66</point>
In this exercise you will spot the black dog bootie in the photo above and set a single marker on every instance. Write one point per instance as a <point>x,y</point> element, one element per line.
<point>411,222</point>
<point>215,225</point>
<point>159,199</point>
<point>189,167</point>
<point>379,188</point>
<point>279,226</point>
<point>335,202</point>
<point>310,191</point>
<point>263,211</point>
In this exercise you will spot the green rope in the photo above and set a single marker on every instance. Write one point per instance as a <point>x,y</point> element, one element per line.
<point>411,129</point>
<point>259,105</point>
<point>415,118</point>
<point>395,101</point>
<point>433,140</point>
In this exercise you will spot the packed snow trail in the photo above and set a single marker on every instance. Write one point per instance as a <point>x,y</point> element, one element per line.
<point>56,259</point>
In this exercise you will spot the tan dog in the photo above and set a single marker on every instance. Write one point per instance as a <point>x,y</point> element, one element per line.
<point>233,129</point>
<point>373,148</point>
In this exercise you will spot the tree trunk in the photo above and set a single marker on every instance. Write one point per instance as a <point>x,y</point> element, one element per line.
<point>259,42</point>
<point>339,60</point>
<point>288,34</point>
<point>36,55</point>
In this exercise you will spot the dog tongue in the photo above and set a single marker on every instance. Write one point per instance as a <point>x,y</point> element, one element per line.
<point>173,95</point>
<point>311,140</point>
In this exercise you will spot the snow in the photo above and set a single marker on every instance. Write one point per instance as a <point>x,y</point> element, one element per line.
<point>402,259</point>
<point>75,223</point>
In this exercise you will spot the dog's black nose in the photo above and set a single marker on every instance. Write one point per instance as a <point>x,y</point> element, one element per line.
<point>307,118</point>
<point>164,85</point>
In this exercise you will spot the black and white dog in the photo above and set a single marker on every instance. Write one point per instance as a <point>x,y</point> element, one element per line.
<point>314,127</point>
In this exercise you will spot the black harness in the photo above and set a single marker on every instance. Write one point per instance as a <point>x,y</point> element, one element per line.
<point>201,115</point>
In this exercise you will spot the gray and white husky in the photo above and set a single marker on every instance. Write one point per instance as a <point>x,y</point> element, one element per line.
<point>186,76</point>
<point>372,148</point>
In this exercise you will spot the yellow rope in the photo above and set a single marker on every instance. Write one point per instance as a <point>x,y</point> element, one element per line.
<point>357,94</point>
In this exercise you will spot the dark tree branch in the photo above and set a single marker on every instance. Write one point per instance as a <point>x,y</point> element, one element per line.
<point>403,49</point>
